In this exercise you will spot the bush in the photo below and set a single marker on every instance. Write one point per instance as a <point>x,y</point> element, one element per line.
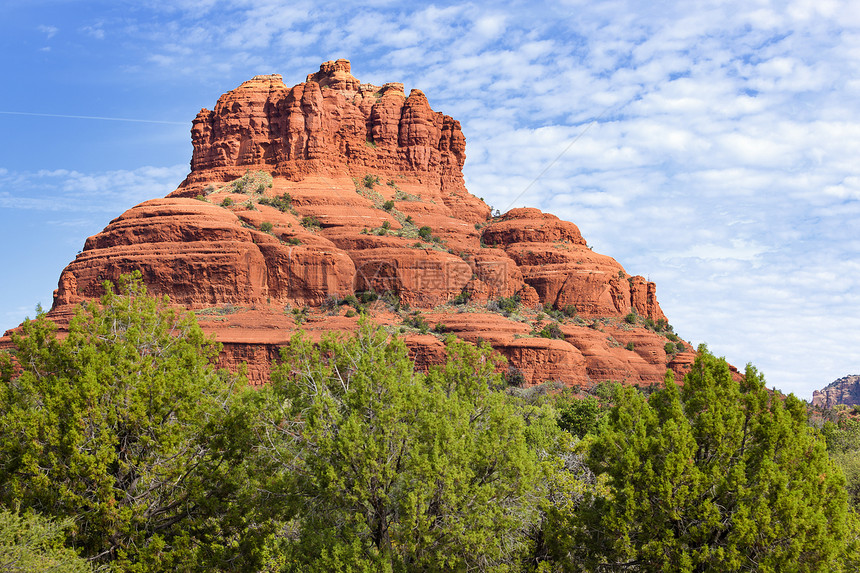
<point>311,222</point>
<point>31,542</point>
<point>463,298</point>
<point>388,205</point>
<point>440,328</point>
<point>551,330</point>
<point>293,241</point>
<point>558,315</point>
<point>367,296</point>
<point>130,432</point>
<point>266,227</point>
<point>391,299</point>
<point>631,346</point>
<point>680,346</point>
<point>415,320</point>
<point>258,180</point>
<point>352,301</point>
<point>425,233</point>
<point>331,302</point>
<point>669,348</point>
<point>227,202</point>
<point>630,318</point>
<point>569,310</point>
<point>282,203</point>
<point>515,377</point>
<point>370,181</point>
<point>397,470</point>
<point>579,417</point>
<point>220,310</point>
<point>300,315</point>
<point>509,304</point>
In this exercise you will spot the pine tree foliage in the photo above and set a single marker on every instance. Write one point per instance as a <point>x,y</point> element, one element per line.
<point>394,470</point>
<point>30,543</point>
<point>718,475</point>
<point>121,426</point>
<point>123,444</point>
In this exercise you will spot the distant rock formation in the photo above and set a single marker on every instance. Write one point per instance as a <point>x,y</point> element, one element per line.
<point>300,197</point>
<point>845,390</point>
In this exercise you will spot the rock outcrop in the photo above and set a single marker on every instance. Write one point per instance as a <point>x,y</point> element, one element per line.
<point>299,198</point>
<point>331,125</point>
<point>845,391</point>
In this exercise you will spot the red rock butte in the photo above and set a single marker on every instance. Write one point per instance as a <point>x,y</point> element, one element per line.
<point>301,197</point>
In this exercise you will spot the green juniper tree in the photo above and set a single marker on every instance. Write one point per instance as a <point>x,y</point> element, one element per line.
<point>393,470</point>
<point>716,476</point>
<point>843,444</point>
<point>125,426</point>
<point>31,543</point>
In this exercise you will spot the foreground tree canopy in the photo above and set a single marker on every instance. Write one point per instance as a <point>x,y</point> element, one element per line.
<point>720,475</point>
<point>396,470</point>
<point>119,426</point>
<point>33,543</point>
<point>123,444</point>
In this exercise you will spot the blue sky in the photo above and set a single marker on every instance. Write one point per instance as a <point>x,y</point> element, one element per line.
<point>713,147</point>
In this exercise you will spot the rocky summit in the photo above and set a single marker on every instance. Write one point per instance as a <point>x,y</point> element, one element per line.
<point>308,206</point>
<point>845,390</point>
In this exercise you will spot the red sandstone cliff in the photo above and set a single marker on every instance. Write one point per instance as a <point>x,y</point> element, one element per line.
<point>300,196</point>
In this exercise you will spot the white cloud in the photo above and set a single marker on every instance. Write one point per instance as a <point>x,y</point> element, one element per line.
<point>62,190</point>
<point>723,163</point>
<point>49,31</point>
<point>96,31</point>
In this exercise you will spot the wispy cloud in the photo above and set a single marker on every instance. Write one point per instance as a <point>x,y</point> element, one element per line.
<point>49,31</point>
<point>724,166</point>
<point>68,191</point>
<point>96,31</point>
<point>102,118</point>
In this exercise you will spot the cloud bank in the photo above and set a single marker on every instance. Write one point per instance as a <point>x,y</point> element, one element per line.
<point>709,145</point>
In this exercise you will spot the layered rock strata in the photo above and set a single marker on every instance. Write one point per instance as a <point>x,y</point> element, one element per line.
<point>299,198</point>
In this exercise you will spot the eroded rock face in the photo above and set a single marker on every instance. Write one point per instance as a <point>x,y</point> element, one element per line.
<point>556,261</point>
<point>331,124</point>
<point>201,255</point>
<point>845,390</point>
<point>299,197</point>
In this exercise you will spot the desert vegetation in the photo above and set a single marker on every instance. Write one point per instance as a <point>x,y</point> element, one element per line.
<point>123,448</point>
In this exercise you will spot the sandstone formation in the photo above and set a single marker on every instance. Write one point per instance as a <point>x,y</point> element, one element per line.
<point>300,198</point>
<point>845,391</point>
